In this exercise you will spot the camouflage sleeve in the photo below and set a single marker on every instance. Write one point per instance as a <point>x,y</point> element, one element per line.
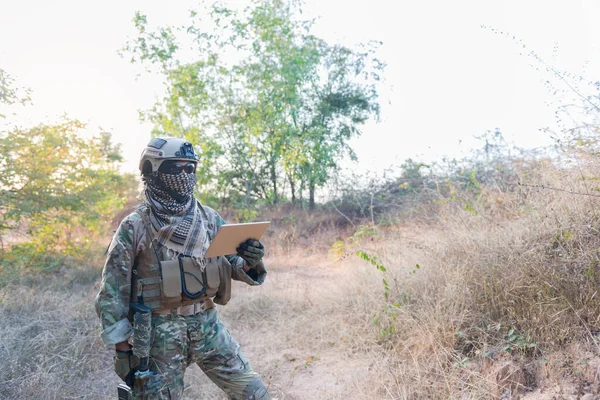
<point>112,302</point>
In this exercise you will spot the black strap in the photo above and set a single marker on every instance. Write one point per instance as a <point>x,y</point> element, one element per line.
<point>143,211</point>
<point>149,236</point>
<point>184,288</point>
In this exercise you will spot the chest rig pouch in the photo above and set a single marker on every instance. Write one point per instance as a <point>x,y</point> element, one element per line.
<point>183,280</point>
<point>182,277</point>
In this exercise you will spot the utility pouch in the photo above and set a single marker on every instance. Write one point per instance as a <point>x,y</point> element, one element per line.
<point>192,285</point>
<point>171,279</point>
<point>212,273</point>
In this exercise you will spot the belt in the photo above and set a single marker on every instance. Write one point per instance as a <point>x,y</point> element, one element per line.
<point>188,310</point>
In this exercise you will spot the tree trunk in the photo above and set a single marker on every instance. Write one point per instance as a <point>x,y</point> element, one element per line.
<point>301,193</point>
<point>248,186</point>
<point>311,196</point>
<point>293,188</point>
<point>274,182</point>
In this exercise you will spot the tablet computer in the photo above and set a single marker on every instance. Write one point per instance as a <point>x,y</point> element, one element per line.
<point>229,237</point>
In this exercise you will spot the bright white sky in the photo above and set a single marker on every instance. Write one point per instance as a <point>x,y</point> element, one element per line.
<point>447,78</point>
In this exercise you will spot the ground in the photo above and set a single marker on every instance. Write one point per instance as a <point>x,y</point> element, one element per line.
<point>314,331</point>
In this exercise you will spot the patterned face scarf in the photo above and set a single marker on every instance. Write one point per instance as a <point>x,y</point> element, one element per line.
<point>174,192</point>
<point>177,221</point>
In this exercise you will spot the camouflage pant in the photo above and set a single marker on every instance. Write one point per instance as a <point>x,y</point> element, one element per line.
<point>179,341</point>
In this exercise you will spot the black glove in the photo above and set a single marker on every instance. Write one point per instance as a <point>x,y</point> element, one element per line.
<point>125,366</point>
<point>252,251</point>
<point>258,273</point>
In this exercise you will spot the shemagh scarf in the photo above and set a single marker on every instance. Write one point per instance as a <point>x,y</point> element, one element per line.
<point>177,221</point>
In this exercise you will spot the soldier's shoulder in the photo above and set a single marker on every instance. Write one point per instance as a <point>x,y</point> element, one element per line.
<point>210,211</point>
<point>133,219</point>
<point>213,216</point>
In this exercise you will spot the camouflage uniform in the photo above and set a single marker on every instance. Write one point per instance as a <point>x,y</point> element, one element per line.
<point>177,340</point>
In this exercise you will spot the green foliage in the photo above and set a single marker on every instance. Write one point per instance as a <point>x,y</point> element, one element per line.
<point>364,232</point>
<point>58,189</point>
<point>371,259</point>
<point>517,341</point>
<point>9,94</point>
<point>384,320</point>
<point>246,215</point>
<point>341,248</point>
<point>338,249</point>
<point>281,111</point>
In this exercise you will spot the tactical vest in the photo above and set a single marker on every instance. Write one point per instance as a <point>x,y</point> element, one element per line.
<point>166,282</point>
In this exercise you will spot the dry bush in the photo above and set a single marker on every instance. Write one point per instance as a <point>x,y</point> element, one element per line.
<point>311,232</point>
<point>514,274</point>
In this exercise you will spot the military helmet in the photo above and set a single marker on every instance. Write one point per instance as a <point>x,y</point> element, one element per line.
<point>165,148</point>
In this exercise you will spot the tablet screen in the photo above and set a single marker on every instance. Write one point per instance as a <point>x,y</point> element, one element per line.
<point>230,236</point>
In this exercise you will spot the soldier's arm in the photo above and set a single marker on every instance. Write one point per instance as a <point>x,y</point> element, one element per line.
<point>112,302</point>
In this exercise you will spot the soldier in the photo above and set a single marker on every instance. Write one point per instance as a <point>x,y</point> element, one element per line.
<point>156,258</point>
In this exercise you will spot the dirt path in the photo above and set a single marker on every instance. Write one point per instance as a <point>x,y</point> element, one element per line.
<point>293,332</point>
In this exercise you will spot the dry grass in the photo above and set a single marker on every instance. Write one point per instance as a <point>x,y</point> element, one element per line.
<point>525,262</point>
<point>521,274</point>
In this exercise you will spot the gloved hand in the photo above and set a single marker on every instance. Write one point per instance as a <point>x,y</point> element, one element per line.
<point>258,274</point>
<point>125,365</point>
<point>252,251</point>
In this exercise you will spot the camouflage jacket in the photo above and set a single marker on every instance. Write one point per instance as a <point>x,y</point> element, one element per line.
<point>112,302</point>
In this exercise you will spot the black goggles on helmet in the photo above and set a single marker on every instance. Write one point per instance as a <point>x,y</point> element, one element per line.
<point>172,168</point>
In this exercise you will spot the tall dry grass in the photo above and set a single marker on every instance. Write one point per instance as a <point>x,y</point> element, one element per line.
<point>49,343</point>
<point>511,278</point>
<point>514,276</point>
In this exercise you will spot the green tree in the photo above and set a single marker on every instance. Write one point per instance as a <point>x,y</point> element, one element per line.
<point>266,102</point>
<point>60,186</point>
<point>9,94</point>
<point>342,98</point>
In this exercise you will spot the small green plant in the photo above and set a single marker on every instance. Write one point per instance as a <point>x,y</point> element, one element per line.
<point>414,271</point>
<point>385,329</point>
<point>461,363</point>
<point>343,248</point>
<point>518,341</point>
<point>390,311</point>
<point>363,232</point>
<point>373,260</point>
<point>470,209</point>
<point>292,220</point>
<point>338,249</point>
